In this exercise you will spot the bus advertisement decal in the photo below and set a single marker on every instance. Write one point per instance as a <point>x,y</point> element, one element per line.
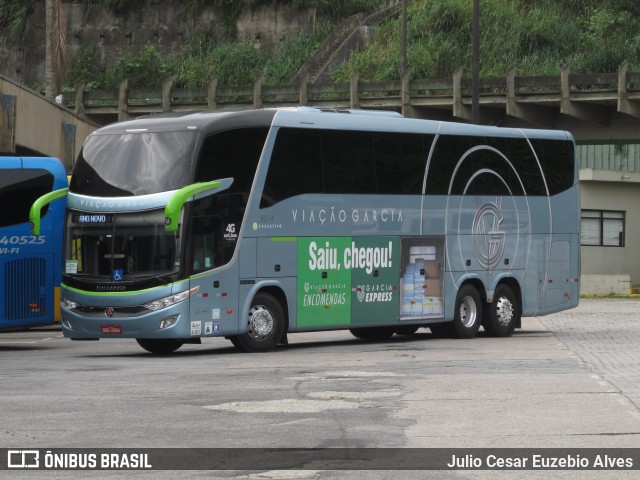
<point>375,277</point>
<point>324,285</point>
<point>344,280</point>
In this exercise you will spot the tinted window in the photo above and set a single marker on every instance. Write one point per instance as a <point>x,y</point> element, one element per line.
<point>216,219</point>
<point>18,190</point>
<point>232,154</point>
<point>557,158</point>
<point>215,225</point>
<point>348,162</point>
<point>485,171</point>
<point>400,162</point>
<point>484,166</point>
<point>295,167</point>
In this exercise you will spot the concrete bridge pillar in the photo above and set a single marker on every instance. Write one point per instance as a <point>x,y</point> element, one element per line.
<point>68,144</point>
<point>8,123</point>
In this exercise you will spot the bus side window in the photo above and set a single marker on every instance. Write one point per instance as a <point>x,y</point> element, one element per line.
<point>295,167</point>
<point>20,188</point>
<point>231,154</point>
<point>205,240</point>
<point>348,162</point>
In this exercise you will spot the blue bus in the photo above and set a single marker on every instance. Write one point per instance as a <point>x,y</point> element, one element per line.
<point>30,265</point>
<point>254,225</point>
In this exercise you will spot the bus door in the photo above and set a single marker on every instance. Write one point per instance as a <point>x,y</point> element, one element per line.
<point>215,224</point>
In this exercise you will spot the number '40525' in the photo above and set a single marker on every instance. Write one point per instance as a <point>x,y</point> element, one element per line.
<point>22,240</point>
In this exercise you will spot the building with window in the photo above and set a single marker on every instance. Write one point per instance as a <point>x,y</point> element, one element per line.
<point>610,217</point>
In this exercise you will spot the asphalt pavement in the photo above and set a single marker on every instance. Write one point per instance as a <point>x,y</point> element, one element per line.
<point>566,381</point>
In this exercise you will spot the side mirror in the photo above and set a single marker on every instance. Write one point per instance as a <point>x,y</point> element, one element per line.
<point>179,198</point>
<point>39,204</point>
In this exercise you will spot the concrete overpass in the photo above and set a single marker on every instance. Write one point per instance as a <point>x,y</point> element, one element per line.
<point>602,111</point>
<point>596,108</point>
<point>33,125</point>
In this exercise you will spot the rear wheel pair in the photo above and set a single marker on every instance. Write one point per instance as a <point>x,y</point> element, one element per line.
<point>503,313</point>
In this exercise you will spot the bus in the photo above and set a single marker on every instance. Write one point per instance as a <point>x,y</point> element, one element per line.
<point>256,224</point>
<point>30,265</point>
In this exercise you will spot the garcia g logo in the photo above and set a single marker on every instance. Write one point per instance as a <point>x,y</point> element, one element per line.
<point>488,239</point>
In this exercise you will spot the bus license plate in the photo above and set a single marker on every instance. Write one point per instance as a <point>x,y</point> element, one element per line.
<point>111,329</point>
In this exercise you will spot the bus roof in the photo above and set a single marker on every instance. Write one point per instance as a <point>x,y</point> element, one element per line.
<point>204,120</point>
<point>347,119</point>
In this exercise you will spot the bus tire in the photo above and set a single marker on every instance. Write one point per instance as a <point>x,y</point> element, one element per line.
<point>373,333</point>
<point>265,325</point>
<point>504,313</point>
<point>406,329</point>
<point>439,330</point>
<point>160,347</point>
<point>467,313</point>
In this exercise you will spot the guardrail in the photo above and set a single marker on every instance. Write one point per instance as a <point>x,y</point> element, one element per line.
<point>575,94</point>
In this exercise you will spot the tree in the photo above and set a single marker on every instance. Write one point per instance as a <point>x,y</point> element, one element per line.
<point>54,47</point>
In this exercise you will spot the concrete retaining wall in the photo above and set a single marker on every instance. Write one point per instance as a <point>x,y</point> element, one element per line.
<point>591,284</point>
<point>167,27</point>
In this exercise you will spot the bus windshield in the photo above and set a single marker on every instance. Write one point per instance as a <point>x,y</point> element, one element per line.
<point>120,246</point>
<point>134,163</point>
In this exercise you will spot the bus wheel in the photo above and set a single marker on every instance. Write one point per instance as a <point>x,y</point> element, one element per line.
<point>504,313</point>
<point>265,325</point>
<point>439,330</point>
<point>406,330</point>
<point>160,347</point>
<point>375,333</point>
<point>468,313</point>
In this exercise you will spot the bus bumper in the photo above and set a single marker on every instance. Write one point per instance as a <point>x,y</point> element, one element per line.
<point>170,322</point>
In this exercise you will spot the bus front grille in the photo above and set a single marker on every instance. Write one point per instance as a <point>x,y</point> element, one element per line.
<point>25,290</point>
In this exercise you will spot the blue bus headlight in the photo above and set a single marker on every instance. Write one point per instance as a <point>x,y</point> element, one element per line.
<point>170,300</point>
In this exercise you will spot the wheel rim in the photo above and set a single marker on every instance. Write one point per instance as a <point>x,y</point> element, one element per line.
<point>504,311</point>
<point>261,323</point>
<point>468,311</point>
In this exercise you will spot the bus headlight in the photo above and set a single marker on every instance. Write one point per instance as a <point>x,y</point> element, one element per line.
<point>170,300</point>
<point>167,322</point>
<point>68,304</point>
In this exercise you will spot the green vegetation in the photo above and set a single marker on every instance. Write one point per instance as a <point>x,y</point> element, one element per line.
<point>232,64</point>
<point>536,36</point>
<point>13,19</point>
<point>205,57</point>
<point>232,8</point>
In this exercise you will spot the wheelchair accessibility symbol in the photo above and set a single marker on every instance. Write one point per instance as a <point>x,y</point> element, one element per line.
<point>117,274</point>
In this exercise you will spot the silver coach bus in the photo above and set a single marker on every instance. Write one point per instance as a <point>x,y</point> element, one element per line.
<point>253,225</point>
